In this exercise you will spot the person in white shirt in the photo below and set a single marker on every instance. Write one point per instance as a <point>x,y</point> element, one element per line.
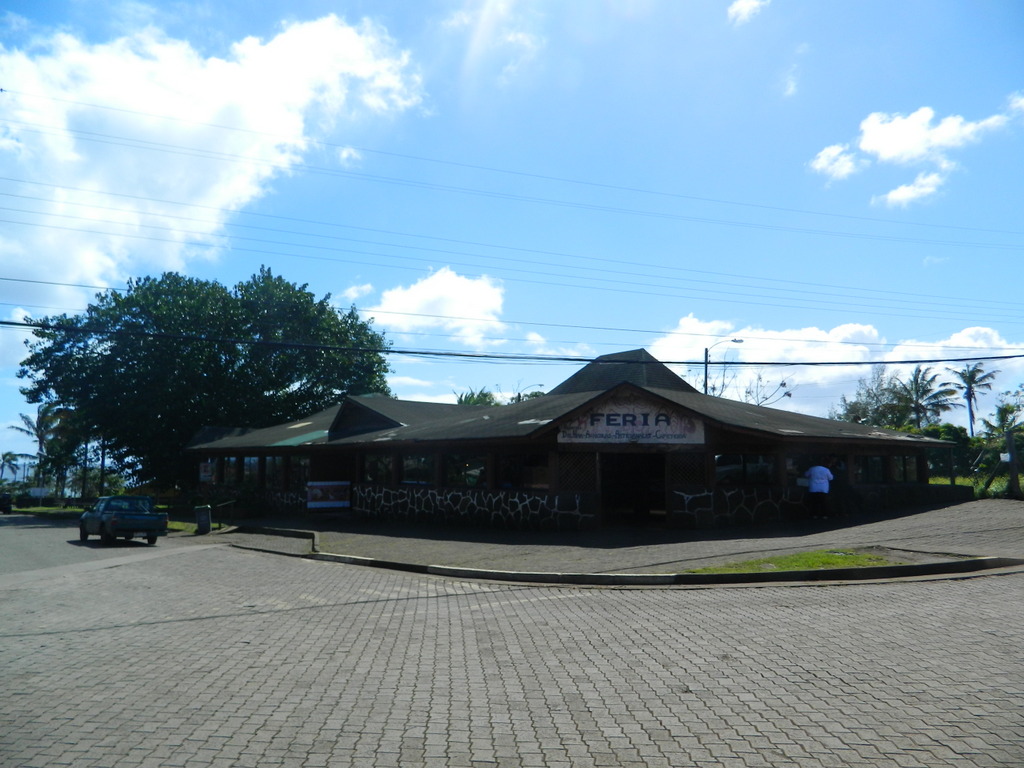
<point>818,478</point>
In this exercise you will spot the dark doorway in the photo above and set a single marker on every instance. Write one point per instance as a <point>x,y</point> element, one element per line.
<point>633,487</point>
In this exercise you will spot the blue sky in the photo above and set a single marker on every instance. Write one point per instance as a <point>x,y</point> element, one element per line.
<point>829,182</point>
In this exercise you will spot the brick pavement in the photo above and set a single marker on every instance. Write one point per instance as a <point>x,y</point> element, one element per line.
<point>984,528</point>
<point>221,657</point>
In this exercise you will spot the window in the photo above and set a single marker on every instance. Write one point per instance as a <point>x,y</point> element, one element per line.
<point>250,470</point>
<point>744,469</point>
<point>911,469</point>
<point>524,470</point>
<point>275,472</point>
<point>904,469</point>
<point>418,469</point>
<point>869,469</point>
<point>230,476</point>
<point>298,472</point>
<point>377,468</point>
<point>465,469</point>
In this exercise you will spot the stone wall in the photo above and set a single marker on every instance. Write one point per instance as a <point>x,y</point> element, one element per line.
<point>469,506</point>
<point>699,507</point>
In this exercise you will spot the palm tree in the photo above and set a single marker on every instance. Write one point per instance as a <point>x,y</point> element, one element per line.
<point>926,397</point>
<point>8,460</point>
<point>44,428</point>
<point>971,380</point>
<point>481,396</point>
<point>1006,418</point>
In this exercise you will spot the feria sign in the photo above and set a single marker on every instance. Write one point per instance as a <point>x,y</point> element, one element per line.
<point>632,420</point>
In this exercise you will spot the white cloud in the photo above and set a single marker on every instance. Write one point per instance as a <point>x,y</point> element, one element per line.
<point>539,345</point>
<point>818,388</point>
<point>465,307</point>
<point>906,139</point>
<point>355,292</point>
<point>914,139</point>
<point>349,156</point>
<point>815,388</point>
<point>924,185</point>
<point>987,342</point>
<point>408,381</point>
<point>789,83</point>
<point>836,162</point>
<point>158,103</point>
<point>742,11</point>
<point>504,37</point>
<point>12,22</point>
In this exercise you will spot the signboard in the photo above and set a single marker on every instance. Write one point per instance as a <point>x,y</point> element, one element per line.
<point>330,494</point>
<point>629,419</point>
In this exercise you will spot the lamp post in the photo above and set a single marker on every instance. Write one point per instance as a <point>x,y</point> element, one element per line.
<point>707,358</point>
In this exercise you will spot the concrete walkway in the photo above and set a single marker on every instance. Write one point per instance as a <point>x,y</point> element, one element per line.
<point>982,529</point>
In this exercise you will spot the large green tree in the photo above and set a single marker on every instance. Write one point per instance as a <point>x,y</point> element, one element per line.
<point>876,403</point>
<point>970,380</point>
<point>144,369</point>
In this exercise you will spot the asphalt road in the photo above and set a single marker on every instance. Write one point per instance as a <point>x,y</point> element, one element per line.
<point>195,654</point>
<point>31,544</point>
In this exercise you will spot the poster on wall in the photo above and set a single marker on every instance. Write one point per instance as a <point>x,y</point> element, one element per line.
<point>632,419</point>
<point>328,494</point>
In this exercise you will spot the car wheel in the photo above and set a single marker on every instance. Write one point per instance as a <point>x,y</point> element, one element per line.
<point>83,535</point>
<point>151,539</point>
<point>107,539</point>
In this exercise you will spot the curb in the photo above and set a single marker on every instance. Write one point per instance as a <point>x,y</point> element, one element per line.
<point>958,568</point>
<point>952,569</point>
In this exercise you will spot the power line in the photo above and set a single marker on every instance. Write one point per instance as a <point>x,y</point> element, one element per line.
<point>478,356</point>
<point>566,326</point>
<point>517,249</point>
<point>808,302</point>
<point>510,172</point>
<point>436,187</point>
<point>928,302</point>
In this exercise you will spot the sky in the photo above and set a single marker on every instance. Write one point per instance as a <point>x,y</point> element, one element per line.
<point>531,184</point>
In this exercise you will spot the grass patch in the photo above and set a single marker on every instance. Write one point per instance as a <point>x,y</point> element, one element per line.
<point>822,559</point>
<point>964,481</point>
<point>182,527</point>
<point>73,513</point>
<point>51,513</point>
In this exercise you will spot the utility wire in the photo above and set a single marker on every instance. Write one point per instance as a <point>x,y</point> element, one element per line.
<point>506,171</point>
<point>511,322</point>
<point>479,356</point>
<point>801,293</point>
<point>436,187</point>
<point>731,277</point>
<point>808,302</point>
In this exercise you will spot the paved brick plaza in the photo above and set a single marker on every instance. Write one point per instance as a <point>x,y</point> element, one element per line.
<point>214,656</point>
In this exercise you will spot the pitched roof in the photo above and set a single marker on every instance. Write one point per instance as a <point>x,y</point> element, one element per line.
<point>638,367</point>
<point>759,418</point>
<point>380,420</point>
<point>305,431</point>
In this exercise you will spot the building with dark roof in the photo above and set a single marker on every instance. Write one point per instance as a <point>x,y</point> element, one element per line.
<point>623,441</point>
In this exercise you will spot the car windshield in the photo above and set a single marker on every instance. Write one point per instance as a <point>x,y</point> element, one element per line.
<point>128,505</point>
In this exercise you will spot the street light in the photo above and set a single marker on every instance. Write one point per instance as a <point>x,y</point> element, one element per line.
<point>707,358</point>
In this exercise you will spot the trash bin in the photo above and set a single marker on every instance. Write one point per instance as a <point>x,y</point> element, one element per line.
<point>203,522</point>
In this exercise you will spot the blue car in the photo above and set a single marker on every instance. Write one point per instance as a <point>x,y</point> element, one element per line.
<point>123,517</point>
